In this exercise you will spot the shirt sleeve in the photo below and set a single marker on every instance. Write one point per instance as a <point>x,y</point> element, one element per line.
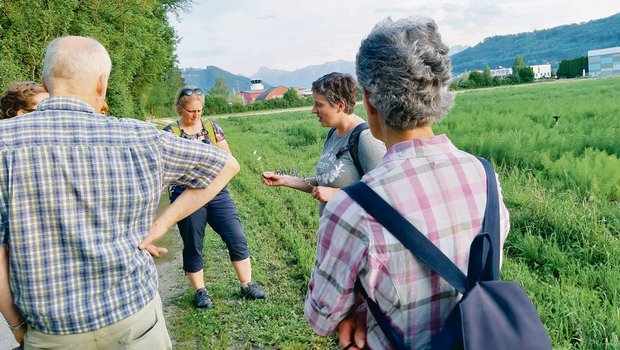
<point>371,151</point>
<point>339,254</point>
<point>219,132</point>
<point>188,163</point>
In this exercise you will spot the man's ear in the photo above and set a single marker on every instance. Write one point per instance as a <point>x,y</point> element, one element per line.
<point>102,85</point>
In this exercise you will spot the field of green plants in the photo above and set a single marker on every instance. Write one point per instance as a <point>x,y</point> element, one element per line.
<point>560,180</point>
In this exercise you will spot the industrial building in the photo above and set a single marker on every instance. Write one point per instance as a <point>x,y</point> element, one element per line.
<point>604,62</point>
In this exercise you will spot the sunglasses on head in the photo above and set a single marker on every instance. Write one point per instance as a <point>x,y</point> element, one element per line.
<point>188,92</point>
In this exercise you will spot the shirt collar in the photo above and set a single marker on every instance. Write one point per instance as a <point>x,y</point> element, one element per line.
<point>439,144</point>
<point>65,103</point>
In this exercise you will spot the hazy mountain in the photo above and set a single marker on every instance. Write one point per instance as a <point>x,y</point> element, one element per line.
<point>537,47</point>
<point>205,78</point>
<point>457,48</point>
<point>304,77</point>
<point>541,46</point>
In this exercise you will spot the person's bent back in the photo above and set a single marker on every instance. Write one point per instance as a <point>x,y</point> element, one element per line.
<point>78,193</point>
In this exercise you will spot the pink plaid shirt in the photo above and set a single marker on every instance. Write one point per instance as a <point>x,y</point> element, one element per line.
<point>442,192</point>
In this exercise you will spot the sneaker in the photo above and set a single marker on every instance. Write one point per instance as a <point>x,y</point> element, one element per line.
<point>203,300</point>
<point>253,291</point>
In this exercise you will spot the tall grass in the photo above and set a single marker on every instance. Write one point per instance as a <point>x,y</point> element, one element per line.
<point>560,182</point>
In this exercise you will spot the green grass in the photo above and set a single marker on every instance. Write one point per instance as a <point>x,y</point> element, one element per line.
<point>561,183</point>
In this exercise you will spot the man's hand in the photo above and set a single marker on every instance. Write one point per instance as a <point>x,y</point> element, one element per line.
<point>352,331</point>
<point>157,230</point>
<point>154,250</point>
<point>19,335</point>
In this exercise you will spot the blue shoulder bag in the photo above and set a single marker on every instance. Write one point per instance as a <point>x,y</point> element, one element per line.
<point>492,314</point>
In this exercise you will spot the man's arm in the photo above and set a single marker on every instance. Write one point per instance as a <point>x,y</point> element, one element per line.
<point>188,202</point>
<point>7,307</point>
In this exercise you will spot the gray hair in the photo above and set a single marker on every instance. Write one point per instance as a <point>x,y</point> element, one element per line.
<point>75,59</point>
<point>405,69</point>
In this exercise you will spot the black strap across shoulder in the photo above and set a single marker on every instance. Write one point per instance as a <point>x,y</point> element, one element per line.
<point>486,267</point>
<point>352,146</point>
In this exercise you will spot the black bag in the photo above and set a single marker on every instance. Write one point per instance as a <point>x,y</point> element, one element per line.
<point>352,146</point>
<point>492,314</point>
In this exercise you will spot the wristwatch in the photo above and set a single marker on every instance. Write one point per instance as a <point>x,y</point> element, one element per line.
<point>19,327</point>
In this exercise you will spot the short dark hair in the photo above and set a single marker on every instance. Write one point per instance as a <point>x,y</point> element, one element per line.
<point>337,87</point>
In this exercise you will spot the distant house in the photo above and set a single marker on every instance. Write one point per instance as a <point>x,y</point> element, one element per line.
<point>541,71</point>
<point>604,62</point>
<point>501,72</point>
<point>259,93</point>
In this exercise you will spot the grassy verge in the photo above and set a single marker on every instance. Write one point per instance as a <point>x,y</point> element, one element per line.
<point>560,181</point>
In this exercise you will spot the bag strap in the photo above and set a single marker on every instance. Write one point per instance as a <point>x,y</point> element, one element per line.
<point>354,139</point>
<point>422,247</point>
<point>485,249</point>
<point>206,125</point>
<point>407,234</point>
<point>352,146</point>
<point>426,251</point>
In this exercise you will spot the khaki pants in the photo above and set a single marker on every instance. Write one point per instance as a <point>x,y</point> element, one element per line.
<point>146,329</point>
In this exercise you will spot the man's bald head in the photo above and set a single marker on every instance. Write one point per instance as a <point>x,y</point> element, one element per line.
<point>73,64</point>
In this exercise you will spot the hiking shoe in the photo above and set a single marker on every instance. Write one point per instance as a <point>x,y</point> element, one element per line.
<point>203,300</point>
<point>253,291</point>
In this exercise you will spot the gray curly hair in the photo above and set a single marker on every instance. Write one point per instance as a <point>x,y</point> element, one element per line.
<point>405,69</point>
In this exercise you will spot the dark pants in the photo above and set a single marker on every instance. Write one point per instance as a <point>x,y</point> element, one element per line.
<point>221,214</point>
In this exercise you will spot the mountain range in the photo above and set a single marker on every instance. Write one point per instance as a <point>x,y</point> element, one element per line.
<point>541,46</point>
<point>205,78</point>
<point>537,47</point>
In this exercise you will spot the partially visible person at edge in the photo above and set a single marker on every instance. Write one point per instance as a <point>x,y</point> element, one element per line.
<point>334,97</point>
<point>404,72</point>
<point>78,197</point>
<point>21,98</point>
<point>220,213</point>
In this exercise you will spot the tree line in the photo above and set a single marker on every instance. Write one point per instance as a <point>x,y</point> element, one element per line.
<point>220,100</point>
<point>521,73</point>
<point>137,35</point>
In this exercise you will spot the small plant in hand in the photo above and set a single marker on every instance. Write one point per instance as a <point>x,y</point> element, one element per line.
<point>258,159</point>
<point>294,172</point>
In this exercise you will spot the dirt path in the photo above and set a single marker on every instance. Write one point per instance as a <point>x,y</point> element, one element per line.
<point>172,281</point>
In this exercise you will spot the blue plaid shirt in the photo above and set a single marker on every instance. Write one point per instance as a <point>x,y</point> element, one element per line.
<point>78,192</point>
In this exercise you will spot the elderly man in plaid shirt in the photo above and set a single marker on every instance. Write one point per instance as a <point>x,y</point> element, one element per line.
<point>78,196</point>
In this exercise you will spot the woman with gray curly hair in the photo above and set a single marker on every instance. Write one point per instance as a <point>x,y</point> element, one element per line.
<point>403,69</point>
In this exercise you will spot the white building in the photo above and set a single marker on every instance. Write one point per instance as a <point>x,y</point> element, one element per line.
<point>501,72</point>
<point>541,71</point>
<point>257,85</point>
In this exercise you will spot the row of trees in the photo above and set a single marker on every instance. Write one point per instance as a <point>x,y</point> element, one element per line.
<point>521,74</point>
<point>220,100</point>
<point>573,68</point>
<point>137,34</point>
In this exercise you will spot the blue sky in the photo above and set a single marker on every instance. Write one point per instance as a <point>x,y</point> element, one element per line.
<point>241,36</point>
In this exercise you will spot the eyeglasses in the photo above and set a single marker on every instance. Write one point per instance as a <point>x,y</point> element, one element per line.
<point>199,111</point>
<point>189,92</point>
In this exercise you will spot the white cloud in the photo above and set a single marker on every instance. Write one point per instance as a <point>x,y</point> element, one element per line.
<point>243,35</point>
